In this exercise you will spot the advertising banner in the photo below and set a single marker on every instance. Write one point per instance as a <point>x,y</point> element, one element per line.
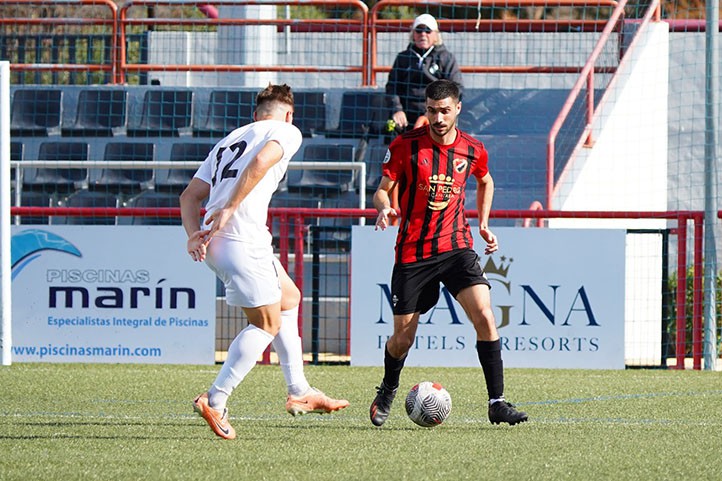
<point>557,296</point>
<point>110,294</point>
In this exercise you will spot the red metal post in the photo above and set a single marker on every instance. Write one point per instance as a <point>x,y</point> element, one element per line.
<point>120,57</point>
<point>681,290</point>
<point>697,295</point>
<point>550,168</point>
<point>283,239</point>
<point>299,232</point>
<point>589,141</point>
<point>283,251</point>
<point>536,205</point>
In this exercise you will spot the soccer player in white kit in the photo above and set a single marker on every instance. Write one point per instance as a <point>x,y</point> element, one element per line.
<point>238,178</point>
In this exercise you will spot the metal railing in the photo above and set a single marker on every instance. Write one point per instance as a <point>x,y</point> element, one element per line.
<point>379,24</point>
<point>123,27</point>
<point>126,22</point>
<point>20,165</point>
<point>33,46</point>
<point>585,83</point>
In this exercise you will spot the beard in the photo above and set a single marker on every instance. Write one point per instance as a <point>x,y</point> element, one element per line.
<point>443,129</point>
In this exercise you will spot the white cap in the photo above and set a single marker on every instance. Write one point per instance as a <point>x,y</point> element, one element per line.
<point>427,20</point>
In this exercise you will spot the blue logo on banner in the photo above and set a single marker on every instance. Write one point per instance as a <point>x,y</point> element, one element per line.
<point>28,245</point>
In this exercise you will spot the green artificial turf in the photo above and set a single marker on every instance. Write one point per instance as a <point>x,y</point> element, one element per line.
<point>132,422</point>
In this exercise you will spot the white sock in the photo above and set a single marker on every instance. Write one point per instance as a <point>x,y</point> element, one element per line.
<point>289,348</point>
<point>243,353</point>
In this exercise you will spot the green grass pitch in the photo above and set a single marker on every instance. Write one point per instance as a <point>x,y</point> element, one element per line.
<point>133,422</point>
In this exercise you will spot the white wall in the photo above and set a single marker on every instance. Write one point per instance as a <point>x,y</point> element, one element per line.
<point>626,170</point>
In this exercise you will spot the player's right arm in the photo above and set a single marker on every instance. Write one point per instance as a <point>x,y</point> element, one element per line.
<point>191,201</point>
<point>382,202</point>
<point>269,155</point>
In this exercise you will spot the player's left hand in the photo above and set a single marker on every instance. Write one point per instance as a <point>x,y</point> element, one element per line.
<point>492,245</point>
<point>197,244</point>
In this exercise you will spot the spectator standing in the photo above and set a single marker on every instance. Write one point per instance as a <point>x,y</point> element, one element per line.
<point>425,60</point>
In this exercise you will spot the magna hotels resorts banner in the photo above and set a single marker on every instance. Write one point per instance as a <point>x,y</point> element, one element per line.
<point>557,295</point>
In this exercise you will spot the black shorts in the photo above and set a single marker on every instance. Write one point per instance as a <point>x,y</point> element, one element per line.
<point>415,286</point>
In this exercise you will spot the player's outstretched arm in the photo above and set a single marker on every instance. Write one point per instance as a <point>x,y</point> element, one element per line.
<point>484,198</point>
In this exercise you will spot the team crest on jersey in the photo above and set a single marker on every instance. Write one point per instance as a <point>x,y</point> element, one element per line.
<point>460,165</point>
<point>441,189</point>
<point>387,157</point>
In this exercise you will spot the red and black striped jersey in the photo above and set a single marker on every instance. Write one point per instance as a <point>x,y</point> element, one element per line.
<point>431,182</point>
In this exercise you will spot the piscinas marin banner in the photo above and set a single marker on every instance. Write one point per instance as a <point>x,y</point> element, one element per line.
<point>557,295</point>
<point>114,294</point>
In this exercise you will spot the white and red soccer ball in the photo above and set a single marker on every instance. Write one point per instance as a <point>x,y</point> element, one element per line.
<point>428,404</point>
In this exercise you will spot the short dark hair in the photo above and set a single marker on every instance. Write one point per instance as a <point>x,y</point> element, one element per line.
<point>441,89</point>
<point>275,93</point>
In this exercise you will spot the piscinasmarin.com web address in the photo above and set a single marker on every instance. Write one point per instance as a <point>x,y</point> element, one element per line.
<point>67,350</point>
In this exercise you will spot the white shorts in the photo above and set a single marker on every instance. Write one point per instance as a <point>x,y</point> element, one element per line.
<point>249,272</point>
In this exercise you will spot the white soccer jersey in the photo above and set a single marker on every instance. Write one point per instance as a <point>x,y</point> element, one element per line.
<point>226,162</point>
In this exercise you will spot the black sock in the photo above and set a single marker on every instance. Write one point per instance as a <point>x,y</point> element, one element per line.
<point>490,359</point>
<point>392,369</point>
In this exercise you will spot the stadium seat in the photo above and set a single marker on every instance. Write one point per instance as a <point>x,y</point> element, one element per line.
<point>227,110</point>
<point>35,199</point>
<point>101,113</point>
<point>175,180</point>
<point>335,232</point>
<point>152,200</point>
<point>309,112</point>
<point>58,181</point>
<point>166,113</point>
<point>518,165</point>
<point>341,200</point>
<point>17,150</point>
<point>331,235</point>
<point>375,153</point>
<point>295,199</point>
<point>287,199</point>
<point>363,113</point>
<point>321,181</point>
<point>36,112</point>
<point>85,198</point>
<point>513,111</point>
<point>125,181</point>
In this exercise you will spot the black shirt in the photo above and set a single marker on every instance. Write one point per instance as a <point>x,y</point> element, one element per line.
<point>412,71</point>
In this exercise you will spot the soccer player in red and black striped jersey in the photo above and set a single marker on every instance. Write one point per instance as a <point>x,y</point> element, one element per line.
<point>430,167</point>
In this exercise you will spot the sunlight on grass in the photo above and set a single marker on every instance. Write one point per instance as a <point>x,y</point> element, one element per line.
<point>76,421</point>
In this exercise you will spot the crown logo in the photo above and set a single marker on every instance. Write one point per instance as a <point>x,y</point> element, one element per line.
<point>501,269</point>
<point>441,179</point>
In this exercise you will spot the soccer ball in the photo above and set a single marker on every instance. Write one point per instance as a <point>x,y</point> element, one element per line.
<point>428,404</point>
